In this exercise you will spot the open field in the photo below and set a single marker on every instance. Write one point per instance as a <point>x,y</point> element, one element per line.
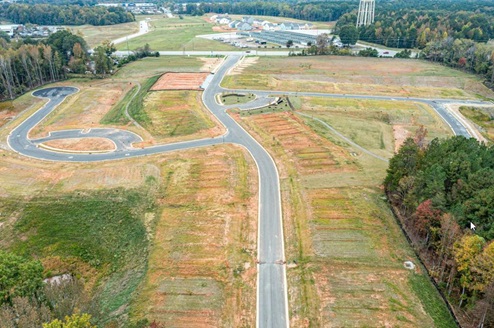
<point>178,115</point>
<point>202,264</point>
<point>356,75</point>
<point>151,66</point>
<point>176,34</point>
<point>344,250</point>
<point>378,126</point>
<point>95,35</point>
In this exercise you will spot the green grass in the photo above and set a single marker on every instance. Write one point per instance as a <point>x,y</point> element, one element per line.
<point>431,301</point>
<point>104,229</point>
<point>176,34</point>
<point>483,117</point>
<point>235,98</point>
<point>175,113</point>
<point>95,35</point>
<point>283,106</point>
<point>146,67</point>
<point>117,114</point>
<point>101,228</point>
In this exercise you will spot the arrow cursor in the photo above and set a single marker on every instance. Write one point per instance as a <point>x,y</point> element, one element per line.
<point>472,226</point>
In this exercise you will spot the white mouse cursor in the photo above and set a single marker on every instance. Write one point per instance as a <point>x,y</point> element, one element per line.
<point>472,226</point>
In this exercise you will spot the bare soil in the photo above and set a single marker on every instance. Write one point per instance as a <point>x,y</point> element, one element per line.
<point>180,81</point>
<point>81,144</point>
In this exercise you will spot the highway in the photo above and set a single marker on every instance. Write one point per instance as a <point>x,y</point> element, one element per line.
<point>272,301</point>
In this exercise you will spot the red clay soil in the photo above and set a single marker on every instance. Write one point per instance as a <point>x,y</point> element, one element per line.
<point>180,81</point>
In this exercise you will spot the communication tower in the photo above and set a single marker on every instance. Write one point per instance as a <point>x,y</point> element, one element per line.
<point>366,12</point>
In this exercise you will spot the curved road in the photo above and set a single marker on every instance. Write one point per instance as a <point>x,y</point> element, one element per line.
<point>272,301</point>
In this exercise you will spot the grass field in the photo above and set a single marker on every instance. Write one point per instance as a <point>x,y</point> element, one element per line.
<point>375,124</point>
<point>176,34</point>
<point>202,262</point>
<point>147,67</point>
<point>344,249</point>
<point>178,113</point>
<point>95,35</point>
<point>356,75</point>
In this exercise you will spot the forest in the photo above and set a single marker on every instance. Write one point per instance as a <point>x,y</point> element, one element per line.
<point>45,14</point>
<point>25,65</point>
<point>440,191</point>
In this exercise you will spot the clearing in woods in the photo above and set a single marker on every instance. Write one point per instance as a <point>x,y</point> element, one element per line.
<point>357,75</point>
<point>344,250</point>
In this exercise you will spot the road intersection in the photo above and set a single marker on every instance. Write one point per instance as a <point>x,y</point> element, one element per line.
<point>272,299</point>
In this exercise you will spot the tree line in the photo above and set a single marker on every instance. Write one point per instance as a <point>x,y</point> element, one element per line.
<point>441,191</point>
<point>46,14</point>
<point>312,11</point>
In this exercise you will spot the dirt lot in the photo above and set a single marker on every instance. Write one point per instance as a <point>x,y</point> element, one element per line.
<point>357,75</point>
<point>81,144</point>
<point>180,81</point>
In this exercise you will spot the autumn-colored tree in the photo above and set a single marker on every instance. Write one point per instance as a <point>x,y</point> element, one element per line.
<point>466,251</point>
<point>426,216</point>
<point>74,321</point>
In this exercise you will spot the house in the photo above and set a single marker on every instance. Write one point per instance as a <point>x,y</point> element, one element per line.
<point>234,24</point>
<point>289,26</point>
<point>248,19</point>
<point>243,26</point>
<point>9,29</point>
<point>269,27</point>
<point>223,20</point>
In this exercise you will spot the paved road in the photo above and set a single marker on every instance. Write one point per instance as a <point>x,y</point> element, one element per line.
<point>437,104</point>
<point>143,29</point>
<point>272,304</point>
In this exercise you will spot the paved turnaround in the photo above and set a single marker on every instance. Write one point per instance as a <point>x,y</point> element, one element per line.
<point>272,301</point>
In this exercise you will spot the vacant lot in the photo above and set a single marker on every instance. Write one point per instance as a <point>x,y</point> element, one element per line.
<point>354,75</point>
<point>379,126</point>
<point>95,35</point>
<point>178,115</point>
<point>201,269</point>
<point>180,81</point>
<point>344,249</point>
<point>176,34</point>
<point>199,209</point>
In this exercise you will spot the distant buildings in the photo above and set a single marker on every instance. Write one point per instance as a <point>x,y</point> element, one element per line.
<point>249,23</point>
<point>29,31</point>
<point>136,8</point>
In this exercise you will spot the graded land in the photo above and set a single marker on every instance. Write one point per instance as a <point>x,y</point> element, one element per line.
<point>172,238</point>
<point>355,75</point>
<point>344,250</point>
<point>193,211</point>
